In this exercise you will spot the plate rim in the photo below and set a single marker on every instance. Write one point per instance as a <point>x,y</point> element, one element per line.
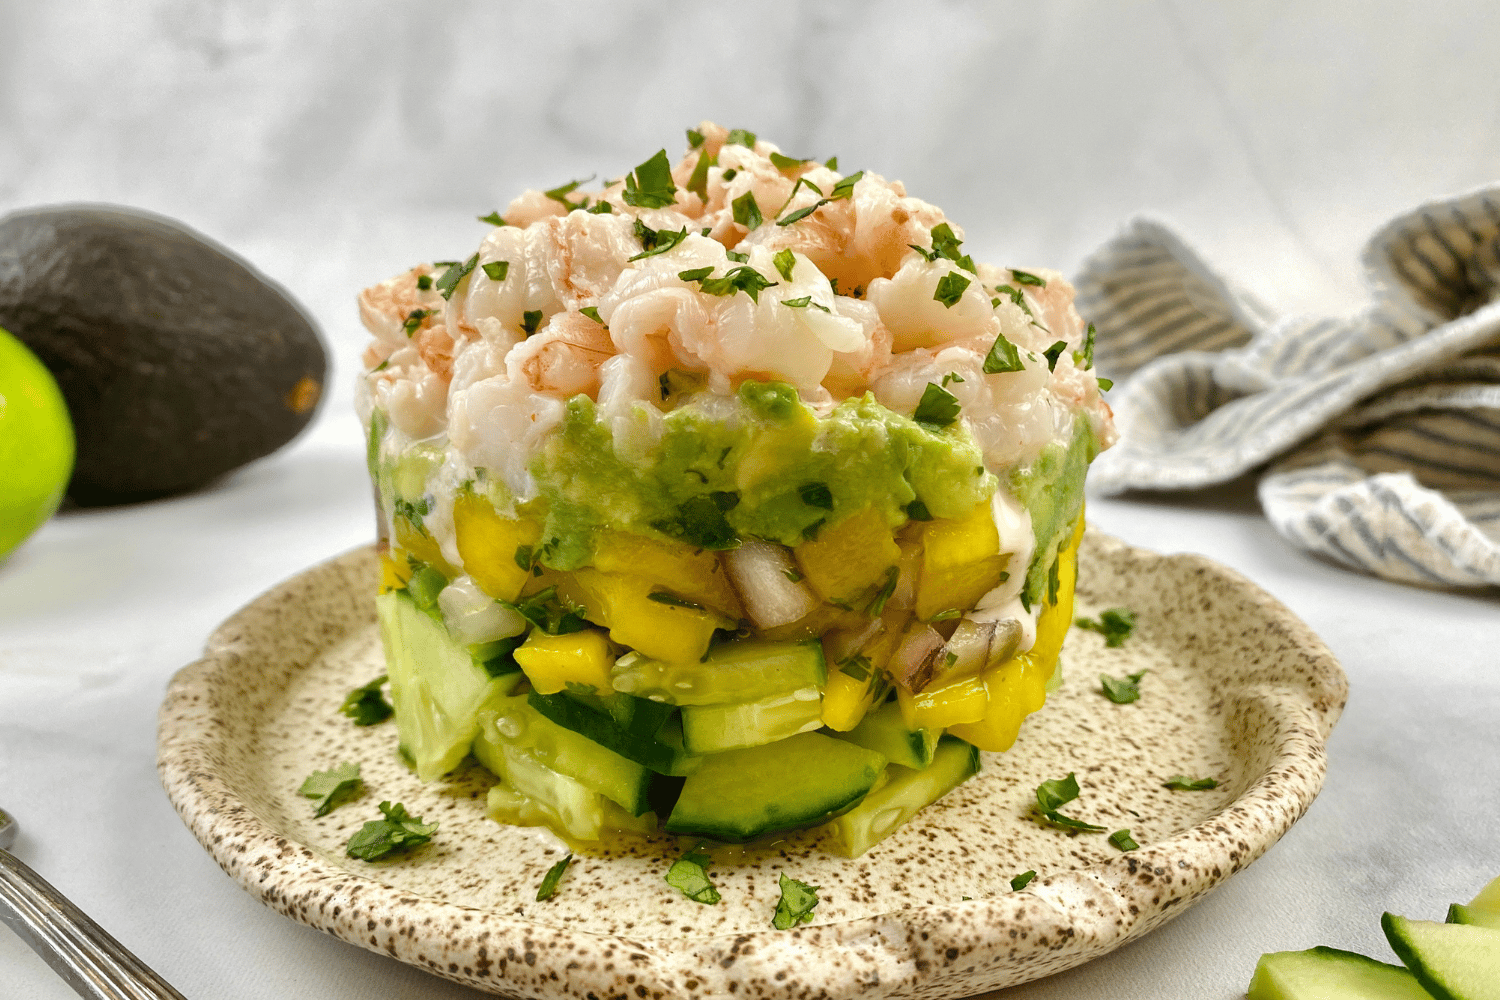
<point>908,952</point>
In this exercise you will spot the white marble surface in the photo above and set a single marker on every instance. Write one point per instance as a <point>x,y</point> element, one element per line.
<point>333,144</point>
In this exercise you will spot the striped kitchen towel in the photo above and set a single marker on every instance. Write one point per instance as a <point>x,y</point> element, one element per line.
<point>1379,432</point>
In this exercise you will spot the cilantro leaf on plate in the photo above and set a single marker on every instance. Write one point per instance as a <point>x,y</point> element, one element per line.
<point>548,888</point>
<point>397,833</point>
<point>1115,625</point>
<point>689,876</point>
<point>366,705</point>
<point>332,788</point>
<point>796,903</point>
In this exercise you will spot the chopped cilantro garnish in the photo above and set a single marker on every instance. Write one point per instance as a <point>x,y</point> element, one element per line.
<point>845,187</point>
<point>1122,692</point>
<point>1106,384</point>
<point>672,600</point>
<point>1053,353</point>
<point>784,260</point>
<point>945,245</point>
<point>857,666</point>
<point>696,274</point>
<point>689,876</point>
<point>737,257</point>
<point>592,312</point>
<point>561,192</point>
<point>1021,881</point>
<point>1050,795</point>
<point>1115,625</point>
<point>740,137</point>
<point>1054,582</point>
<point>331,788</point>
<point>554,875</point>
<point>493,219</point>
<point>877,603</point>
<point>397,833</point>
<point>698,183</point>
<point>796,903</point>
<point>525,558</point>
<point>746,211</point>
<point>530,320</point>
<point>946,616</point>
<point>1027,278</point>
<point>424,282</point>
<point>694,138</point>
<point>804,302</point>
<point>456,273</point>
<point>816,495</point>
<point>801,213</point>
<point>1182,783</point>
<point>832,163</point>
<point>496,270</point>
<point>1084,358</point>
<point>950,288</point>
<point>1015,295</point>
<point>917,511</point>
<point>951,377</point>
<point>938,407</point>
<point>792,575</point>
<point>366,705</point>
<point>785,162</point>
<point>1122,840</point>
<point>738,279</point>
<point>549,612</point>
<point>654,241</point>
<point>730,174</point>
<point>700,521</point>
<point>424,585</point>
<point>650,185</point>
<point>414,320</point>
<point>601,207</point>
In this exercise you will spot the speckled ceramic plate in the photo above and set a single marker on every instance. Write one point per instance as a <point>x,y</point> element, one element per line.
<point>1238,689</point>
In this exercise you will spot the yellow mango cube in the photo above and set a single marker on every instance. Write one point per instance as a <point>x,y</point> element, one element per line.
<point>622,603</point>
<point>693,573</point>
<point>487,543</point>
<point>416,543</point>
<point>553,662</point>
<point>847,697</point>
<point>394,570</point>
<point>964,700</point>
<point>961,561</point>
<point>851,557</point>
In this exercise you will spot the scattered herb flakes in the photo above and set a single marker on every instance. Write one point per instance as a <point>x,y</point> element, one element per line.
<point>740,137</point>
<point>1021,881</point>
<point>737,257</point>
<point>1053,353</point>
<point>424,282</point>
<point>696,274</point>
<point>730,175</point>
<point>945,245</point>
<point>796,904</point>
<point>792,575</point>
<point>1122,692</point>
<point>743,278</point>
<point>700,521</point>
<point>784,260</point>
<point>917,511</point>
<point>1054,582</point>
<point>654,242</point>
<point>414,320</point>
<point>816,495</point>
<point>1084,357</point>
<point>805,302</point>
<point>1122,840</point>
<point>950,288</point>
<point>493,219</point>
<point>694,138</point>
<point>601,207</point>
<point>455,273</point>
<point>781,162</point>
<point>549,612</point>
<point>877,603</point>
<point>1106,384</point>
<point>1027,278</point>
<point>672,600</point>
<point>857,666</point>
<point>946,616</point>
<point>1115,625</point>
<point>525,558</point>
<point>650,184</point>
<point>689,876</point>
<point>746,211</point>
<point>496,270</point>
<point>397,833</point>
<point>592,312</point>
<point>424,584</point>
<point>832,163</point>
<point>698,182</point>
<point>331,788</point>
<point>1051,795</point>
<point>561,192</point>
<point>845,188</point>
<point>530,320</point>
<point>937,408</point>
<point>1182,783</point>
<point>366,705</point>
<point>554,875</point>
<point>801,213</point>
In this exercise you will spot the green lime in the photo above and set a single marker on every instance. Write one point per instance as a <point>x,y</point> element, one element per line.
<point>36,443</point>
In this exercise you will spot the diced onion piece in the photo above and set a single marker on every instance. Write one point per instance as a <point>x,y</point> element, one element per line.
<point>769,583</point>
<point>913,658</point>
<point>843,643</point>
<point>974,647</point>
<point>472,616</point>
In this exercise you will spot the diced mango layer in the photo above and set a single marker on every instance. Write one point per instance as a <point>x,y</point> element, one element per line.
<point>686,571</point>
<point>960,562</point>
<point>419,545</point>
<point>553,662</point>
<point>847,696</point>
<point>395,570</point>
<point>487,543</point>
<point>964,700</point>
<point>622,603</point>
<point>851,557</point>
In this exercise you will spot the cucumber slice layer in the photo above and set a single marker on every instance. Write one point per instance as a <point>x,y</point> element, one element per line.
<point>731,672</point>
<point>885,732</point>
<point>805,779</point>
<point>1329,974</point>
<point>716,728</point>
<point>903,795</point>
<point>1452,961</point>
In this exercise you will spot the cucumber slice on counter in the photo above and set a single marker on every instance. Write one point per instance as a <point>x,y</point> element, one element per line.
<point>731,672</point>
<point>513,722</point>
<point>1329,974</point>
<point>717,728</point>
<point>437,689</point>
<point>1483,910</point>
<point>640,730</point>
<point>904,793</point>
<point>1452,961</point>
<point>885,732</point>
<point>802,780</point>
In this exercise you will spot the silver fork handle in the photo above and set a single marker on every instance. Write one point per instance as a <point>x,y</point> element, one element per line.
<point>79,950</point>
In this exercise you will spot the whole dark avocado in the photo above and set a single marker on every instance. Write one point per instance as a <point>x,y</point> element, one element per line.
<point>178,360</point>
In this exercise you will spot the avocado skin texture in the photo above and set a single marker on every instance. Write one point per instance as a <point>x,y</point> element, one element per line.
<point>178,360</point>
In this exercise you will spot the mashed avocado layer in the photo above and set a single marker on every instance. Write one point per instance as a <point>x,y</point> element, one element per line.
<point>764,466</point>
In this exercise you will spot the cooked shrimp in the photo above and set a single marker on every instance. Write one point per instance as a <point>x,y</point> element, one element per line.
<point>412,395</point>
<point>563,358</point>
<point>910,309</point>
<point>385,308</point>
